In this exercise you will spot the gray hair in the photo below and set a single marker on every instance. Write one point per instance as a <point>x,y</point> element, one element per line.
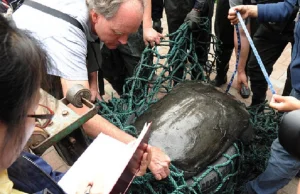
<point>107,8</point>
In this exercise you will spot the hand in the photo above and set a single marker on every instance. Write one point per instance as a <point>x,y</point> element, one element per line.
<point>147,156</point>
<point>151,36</point>
<point>159,164</point>
<point>245,11</point>
<point>95,94</point>
<point>284,103</point>
<point>193,19</point>
<point>242,79</point>
<point>141,159</point>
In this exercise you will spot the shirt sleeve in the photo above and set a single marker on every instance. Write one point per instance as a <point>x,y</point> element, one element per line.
<point>276,12</point>
<point>67,56</point>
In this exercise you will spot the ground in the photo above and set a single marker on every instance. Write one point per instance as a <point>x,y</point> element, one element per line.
<point>278,78</point>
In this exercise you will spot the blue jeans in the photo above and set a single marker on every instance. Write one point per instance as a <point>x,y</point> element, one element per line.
<point>282,167</point>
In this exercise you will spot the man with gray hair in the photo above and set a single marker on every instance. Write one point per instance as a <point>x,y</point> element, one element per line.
<point>64,29</point>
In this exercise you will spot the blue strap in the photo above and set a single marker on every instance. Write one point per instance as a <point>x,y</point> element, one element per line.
<point>261,65</point>
<point>237,57</point>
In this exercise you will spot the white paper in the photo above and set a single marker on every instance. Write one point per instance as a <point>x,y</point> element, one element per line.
<point>106,157</point>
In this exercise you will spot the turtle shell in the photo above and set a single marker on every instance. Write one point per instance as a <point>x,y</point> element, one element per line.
<point>194,124</point>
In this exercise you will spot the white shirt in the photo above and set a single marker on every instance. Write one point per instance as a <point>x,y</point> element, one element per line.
<point>65,44</point>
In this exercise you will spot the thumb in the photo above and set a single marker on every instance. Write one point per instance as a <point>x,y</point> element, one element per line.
<point>238,8</point>
<point>143,165</point>
<point>146,42</point>
<point>277,98</point>
<point>232,11</point>
<point>160,35</point>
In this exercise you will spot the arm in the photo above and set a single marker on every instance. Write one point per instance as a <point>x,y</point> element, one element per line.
<point>284,103</point>
<point>160,162</point>
<point>242,78</point>
<point>147,17</point>
<point>93,82</point>
<point>273,12</point>
<point>75,72</point>
<point>149,34</point>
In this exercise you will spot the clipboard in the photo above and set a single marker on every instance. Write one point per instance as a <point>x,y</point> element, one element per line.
<point>111,158</point>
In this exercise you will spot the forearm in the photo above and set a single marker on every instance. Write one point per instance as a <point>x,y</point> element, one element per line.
<point>98,124</point>
<point>244,49</point>
<point>147,18</point>
<point>93,80</point>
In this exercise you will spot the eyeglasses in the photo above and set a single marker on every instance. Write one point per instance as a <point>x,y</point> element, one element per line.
<point>43,116</point>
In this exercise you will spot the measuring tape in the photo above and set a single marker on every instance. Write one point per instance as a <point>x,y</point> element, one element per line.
<point>261,65</point>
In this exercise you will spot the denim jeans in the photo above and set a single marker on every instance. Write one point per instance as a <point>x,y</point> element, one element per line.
<point>282,167</point>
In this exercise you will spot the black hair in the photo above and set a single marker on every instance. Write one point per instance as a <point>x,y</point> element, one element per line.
<point>23,69</point>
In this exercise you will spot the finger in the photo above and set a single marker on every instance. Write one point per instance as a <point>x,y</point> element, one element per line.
<point>160,35</point>
<point>245,84</point>
<point>168,161</point>
<point>277,106</point>
<point>93,97</point>
<point>98,95</point>
<point>272,100</point>
<point>144,165</point>
<point>163,175</point>
<point>278,98</point>
<point>232,12</point>
<point>235,21</point>
<point>238,84</point>
<point>168,172</point>
<point>157,176</point>
<point>146,42</point>
<point>157,40</point>
<point>238,8</point>
<point>143,146</point>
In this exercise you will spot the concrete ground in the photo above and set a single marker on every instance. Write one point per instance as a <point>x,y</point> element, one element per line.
<point>278,78</point>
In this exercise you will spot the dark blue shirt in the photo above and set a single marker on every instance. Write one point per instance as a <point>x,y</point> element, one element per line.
<point>278,12</point>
